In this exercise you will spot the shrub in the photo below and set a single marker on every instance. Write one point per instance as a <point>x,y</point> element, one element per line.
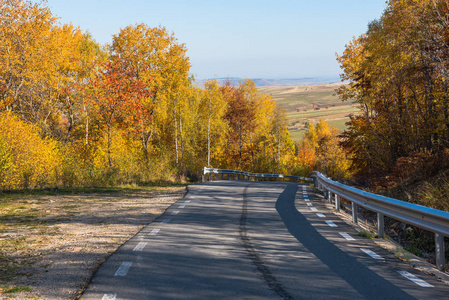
<point>26,159</point>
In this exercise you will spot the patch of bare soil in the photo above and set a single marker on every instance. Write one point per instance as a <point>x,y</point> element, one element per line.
<point>50,245</point>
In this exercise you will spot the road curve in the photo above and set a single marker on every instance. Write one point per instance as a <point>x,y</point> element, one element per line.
<point>255,240</point>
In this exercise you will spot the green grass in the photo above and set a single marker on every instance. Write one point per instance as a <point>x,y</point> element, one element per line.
<point>366,234</point>
<point>17,289</point>
<point>414,250</point>
<point>297,134</point>
<point>8,196</point>
<point>321,112</point>
<point>340,124</point>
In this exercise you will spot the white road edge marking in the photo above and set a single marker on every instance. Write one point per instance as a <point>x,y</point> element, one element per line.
<point>309,204</point>
<point>182,206</point>
<point>321,215</point>
<point>165,221</point>
<point>124,268</point>
<point>174,213</point>
<point>346,236</point>
<point>415,279</point>
<point>371,253</point>
<point>154,231</point>
<point>140,246</point>
<point>313,209</point>
<point>109,297</point>
<point>331,224</point>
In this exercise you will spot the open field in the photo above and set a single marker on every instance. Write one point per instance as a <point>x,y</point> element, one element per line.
<point>310,104</point>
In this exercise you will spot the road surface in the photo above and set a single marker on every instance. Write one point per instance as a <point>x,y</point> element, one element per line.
<point>255,240</point>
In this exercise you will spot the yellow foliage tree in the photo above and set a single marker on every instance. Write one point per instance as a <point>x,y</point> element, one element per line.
<point>27,160</point>
<point>320,150</point>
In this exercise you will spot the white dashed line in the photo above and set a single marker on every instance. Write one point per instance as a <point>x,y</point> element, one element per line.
<point>371,253</point>
<point>309,204</point>
<point>321,215</point>
<point>346,236</point>
<point>415,279</point>
<point>124,268</point>
<point>165,221</point>
<point>313,209</point>
<point>140,246</point>
<point>187,201</point>
<point>182,206</point>
<point>109,297</point>
<point>174,213</point>
<point>307,200</point>
<point>154,231</point>
<point>331,224</point>
<point>192,197</point>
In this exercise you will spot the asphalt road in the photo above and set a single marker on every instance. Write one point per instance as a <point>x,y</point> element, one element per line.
<point>255,240</point>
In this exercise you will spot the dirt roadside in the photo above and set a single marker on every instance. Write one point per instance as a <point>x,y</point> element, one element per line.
<point>50,245</point>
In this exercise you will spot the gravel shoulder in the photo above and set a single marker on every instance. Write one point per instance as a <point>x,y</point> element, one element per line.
<point>50,245</point>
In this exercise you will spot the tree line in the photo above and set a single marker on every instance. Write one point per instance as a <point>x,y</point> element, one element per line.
<point>77,113</point>
<point>398,73</point>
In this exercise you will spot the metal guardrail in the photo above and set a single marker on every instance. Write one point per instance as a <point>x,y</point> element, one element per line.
<point>430,219</point>
<point>241,175</point>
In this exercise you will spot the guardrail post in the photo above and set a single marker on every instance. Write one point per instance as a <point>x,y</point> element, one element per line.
<point>439,251</point>
<point>354,212</point>
<point>337,202</point>
<point>210,176</point>
<point>329,197</point>
<point>380,226</point>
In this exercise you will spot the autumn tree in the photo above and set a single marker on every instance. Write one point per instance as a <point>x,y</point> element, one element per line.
<point>37,58</point>
<point>398,75</point>
<point>320,150</point>
<point>114,92</point>
<point>156,57</point>
<point>241,119</point>
<point>123,112</point>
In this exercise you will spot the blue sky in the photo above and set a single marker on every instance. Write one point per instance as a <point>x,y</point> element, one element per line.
<point>243,38</point>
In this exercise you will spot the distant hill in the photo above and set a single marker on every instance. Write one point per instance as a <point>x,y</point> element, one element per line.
<point>260,82</point>
<point>308,104</point>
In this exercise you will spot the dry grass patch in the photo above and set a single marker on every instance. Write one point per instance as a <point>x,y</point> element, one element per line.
<point>52,241</point>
